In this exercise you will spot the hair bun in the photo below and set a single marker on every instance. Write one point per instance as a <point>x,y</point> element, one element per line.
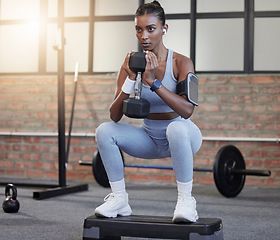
<point>156,3</point>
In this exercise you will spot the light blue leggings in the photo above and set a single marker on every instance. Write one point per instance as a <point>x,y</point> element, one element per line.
<point>178,138</point>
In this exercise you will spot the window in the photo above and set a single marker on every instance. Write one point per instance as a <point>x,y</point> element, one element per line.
<point>218,35</point>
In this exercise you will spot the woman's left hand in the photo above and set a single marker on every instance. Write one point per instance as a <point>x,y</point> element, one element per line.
<point>151,68</point>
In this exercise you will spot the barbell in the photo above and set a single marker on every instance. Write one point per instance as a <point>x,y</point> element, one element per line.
<point>229,170</point>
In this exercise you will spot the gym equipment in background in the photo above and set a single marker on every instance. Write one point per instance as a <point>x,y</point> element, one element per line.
<point>11,204</point>
<point>137,107</point>
<point>151,227</point>
<point>62,188</point>
<point>229,170</point>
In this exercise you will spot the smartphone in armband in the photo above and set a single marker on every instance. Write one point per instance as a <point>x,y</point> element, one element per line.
<point>189,87</point>
<point>193,88</point>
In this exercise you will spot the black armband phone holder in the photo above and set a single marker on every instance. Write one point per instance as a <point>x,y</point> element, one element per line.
<point>189,87</point>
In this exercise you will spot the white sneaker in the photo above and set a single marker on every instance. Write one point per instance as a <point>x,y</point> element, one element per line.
<point>185,210</point>
<point>114,205</point>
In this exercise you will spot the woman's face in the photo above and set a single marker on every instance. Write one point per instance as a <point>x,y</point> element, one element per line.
<point>149,31</point>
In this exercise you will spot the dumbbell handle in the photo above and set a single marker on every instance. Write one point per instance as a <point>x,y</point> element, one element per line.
<point>252,172</point>
<point>138,86</point>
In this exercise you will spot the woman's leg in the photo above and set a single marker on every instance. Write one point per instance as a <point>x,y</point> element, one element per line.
<point>184,141</point>
<point>133,140</point>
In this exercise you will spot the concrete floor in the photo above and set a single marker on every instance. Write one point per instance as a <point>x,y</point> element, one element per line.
<point>254,214</point>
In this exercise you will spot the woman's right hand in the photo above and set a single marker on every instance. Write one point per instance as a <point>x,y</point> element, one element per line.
<point>125,66</point>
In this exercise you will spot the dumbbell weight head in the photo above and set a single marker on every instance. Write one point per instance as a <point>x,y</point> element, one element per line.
<point>137,62</point>
<point>11,204</point>
<point>136,108</point>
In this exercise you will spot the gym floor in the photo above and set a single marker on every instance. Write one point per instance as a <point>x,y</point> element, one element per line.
<point>253,214</point>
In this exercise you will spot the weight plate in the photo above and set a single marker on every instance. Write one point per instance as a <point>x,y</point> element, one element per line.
<point>99,171</point>
<point>228,184</point>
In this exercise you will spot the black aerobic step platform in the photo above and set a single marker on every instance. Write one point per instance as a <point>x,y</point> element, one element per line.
<point>151,227</point>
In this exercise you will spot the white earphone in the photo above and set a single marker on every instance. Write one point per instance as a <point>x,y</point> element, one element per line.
<point>164,31</point>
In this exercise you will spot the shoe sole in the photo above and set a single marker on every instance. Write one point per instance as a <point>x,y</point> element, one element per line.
<point>179,219</point>
<point>122,212</point>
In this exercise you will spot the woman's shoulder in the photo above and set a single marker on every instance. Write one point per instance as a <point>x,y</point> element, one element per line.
<point>183,64</point>
<point>181,59</point>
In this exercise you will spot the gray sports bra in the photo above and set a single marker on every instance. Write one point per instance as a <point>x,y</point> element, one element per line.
<point>157,105</point>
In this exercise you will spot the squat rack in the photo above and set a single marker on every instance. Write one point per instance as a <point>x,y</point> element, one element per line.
<point>62,188</point>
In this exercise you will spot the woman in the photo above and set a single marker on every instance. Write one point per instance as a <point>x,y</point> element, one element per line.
<point>166,132</point>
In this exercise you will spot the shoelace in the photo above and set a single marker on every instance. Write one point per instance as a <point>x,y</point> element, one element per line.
<point>109,197</point>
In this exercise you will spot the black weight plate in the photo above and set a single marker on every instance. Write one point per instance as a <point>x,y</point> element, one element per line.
<point>99,171</point>
<point>229,185</point>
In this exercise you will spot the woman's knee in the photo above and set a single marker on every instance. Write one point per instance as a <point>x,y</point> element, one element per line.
<point>103,131</point>
<point>177,129</point>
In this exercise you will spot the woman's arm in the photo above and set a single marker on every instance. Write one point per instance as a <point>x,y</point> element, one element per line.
<point>116,112</point>
<point>183,66</point>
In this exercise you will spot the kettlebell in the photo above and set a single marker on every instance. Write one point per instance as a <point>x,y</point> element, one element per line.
<point>11,204</point>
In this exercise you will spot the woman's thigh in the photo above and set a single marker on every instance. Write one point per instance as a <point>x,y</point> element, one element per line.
<point>133,140</point>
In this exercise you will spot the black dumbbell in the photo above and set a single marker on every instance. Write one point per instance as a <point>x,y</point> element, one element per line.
<point>11,204</point>
<point>137,107</point>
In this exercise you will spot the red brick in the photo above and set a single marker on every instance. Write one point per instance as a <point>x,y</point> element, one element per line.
<point>230,126</point>
<point>258,154</point>
<point>248,89</point>
<point>32,139</point>
<point>263,80</point>
<point>75,175</point>
<point>255,108</point>
<point>34,173</point>
<point>251,126</point>
<point>161,178</point>
<point>254,181</point>
<point>209,107</point>
<point>21,147</point>
<point>204,180</point>
<point>240,80</point>
<point>272,163</point>
<point>51,174</point>
<point>263,117</point>
<point>50,140</point>
<point>273,182</point>
<point>39,148</point>
<point>224,89</point>
<point>217,80</point>
<point>138,178</point>
<point>201,161</point>
<point>130,170</point>
<point>273,107</point>
<point>148,171</point>
<point>253,163</point>
<point>44,165</point>
<point>5,147</point>
<point>271,90</point>
<point>12,139</point>
<point>13,155</point>
<point>276,154</point>
<point>15,172</point>
<point>32,156</point>
<point>24,164</point>
<point>6,164</point>
<point>231,108</point>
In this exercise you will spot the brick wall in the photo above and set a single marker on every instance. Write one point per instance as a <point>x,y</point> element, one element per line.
<point>230,106</point>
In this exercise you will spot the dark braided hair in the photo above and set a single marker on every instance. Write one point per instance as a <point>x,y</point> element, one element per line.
<point>152,8</point>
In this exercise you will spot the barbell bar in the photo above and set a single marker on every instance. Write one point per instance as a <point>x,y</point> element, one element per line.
<point>229,170</point>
